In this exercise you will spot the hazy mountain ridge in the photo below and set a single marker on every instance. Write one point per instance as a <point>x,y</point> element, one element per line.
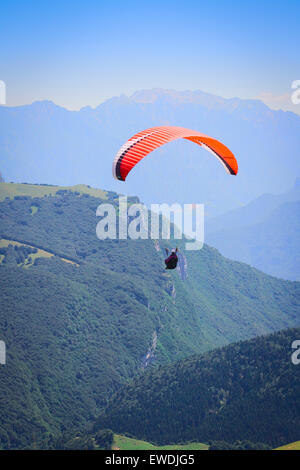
<point>264,234</point>
<point>43,142</point>
<point>253,213</point>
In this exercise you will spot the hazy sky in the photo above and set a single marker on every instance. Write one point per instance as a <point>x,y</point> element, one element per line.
<point>79,53</point>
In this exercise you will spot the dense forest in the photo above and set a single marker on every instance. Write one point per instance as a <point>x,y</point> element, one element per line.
<point>247,391</point>
<point>80,316</point>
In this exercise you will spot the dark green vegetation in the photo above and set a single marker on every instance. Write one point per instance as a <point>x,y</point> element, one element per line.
<point>75,333</point>
<point>72,440</point>
<point>19,254</point>
<point>247,391</point>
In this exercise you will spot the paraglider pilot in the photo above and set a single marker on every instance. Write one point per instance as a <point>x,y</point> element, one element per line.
<point>172,260</point>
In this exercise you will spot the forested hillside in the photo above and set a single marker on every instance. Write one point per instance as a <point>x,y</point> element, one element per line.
<point>248,391</point>
<point>81,316</point>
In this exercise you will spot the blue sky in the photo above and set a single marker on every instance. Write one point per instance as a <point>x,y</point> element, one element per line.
<point>79,53</point>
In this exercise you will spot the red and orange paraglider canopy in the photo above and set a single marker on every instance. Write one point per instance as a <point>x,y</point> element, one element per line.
<point>141,144</point>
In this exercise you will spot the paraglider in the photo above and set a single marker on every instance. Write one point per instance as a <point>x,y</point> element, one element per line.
<point>144,142</point>
<point>141,144</point>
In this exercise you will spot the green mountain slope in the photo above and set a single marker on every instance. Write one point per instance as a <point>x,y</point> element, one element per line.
<point>244,391</point>
<point>225,300</point>
<point>10,190</point>
<point>292,446</point>
<point>126,443</point>
<point>81,316</point>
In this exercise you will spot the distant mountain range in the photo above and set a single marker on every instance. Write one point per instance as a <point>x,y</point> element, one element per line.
<point>45,143</point>
<point>263,233</point>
